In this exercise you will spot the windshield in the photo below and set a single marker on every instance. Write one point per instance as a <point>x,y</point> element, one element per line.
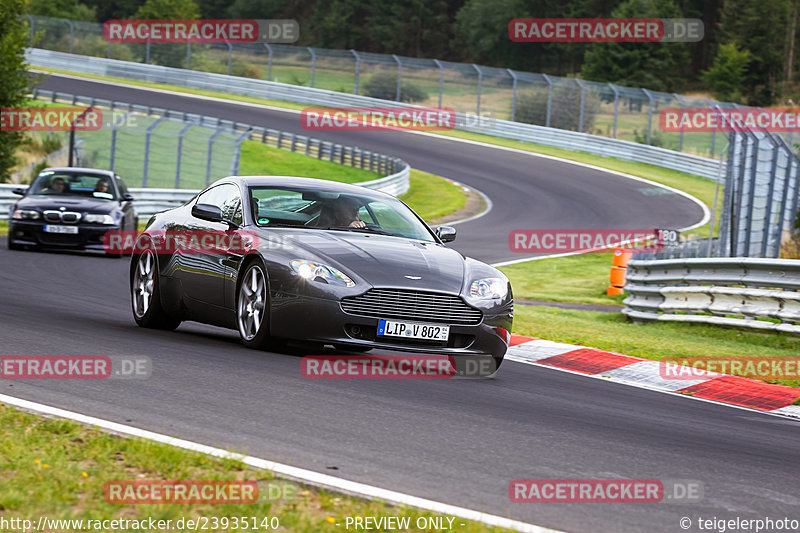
<point>61,183</point>
<point>311,208</point>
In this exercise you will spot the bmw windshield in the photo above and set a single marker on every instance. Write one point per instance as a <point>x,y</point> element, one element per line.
<point>73,183</point>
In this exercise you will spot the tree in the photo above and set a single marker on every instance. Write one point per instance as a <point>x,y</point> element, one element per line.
<point>13,76</point>
<point>168,9</point>
<point>761,30</point>
<point>657,66</point>
<point>726,77</point>
<point>65,9</point>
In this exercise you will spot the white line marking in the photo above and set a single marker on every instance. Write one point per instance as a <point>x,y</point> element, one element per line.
<point>299,474</point>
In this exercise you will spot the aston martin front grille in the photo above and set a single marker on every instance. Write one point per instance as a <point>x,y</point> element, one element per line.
<point>412,305</point>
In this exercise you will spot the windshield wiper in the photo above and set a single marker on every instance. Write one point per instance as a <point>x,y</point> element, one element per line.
<point>367,229</point>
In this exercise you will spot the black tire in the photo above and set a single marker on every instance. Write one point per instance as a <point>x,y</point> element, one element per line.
<point>144,281</point>
<point>252,308</point>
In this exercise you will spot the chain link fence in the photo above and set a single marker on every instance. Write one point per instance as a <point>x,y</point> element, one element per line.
<point>605,109</point>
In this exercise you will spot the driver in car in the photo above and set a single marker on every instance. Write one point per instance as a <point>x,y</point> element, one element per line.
<point>343,212</point>
<point>57,186</point>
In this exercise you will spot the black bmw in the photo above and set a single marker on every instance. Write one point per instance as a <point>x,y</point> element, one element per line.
<point>327,263</point>
<point>71,208</point>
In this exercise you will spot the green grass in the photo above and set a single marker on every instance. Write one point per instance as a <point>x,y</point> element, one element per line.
<point>575,278</point>
<point>656,341</point>
<point>58,468</point>
<point>259,159</point>
<point>433,197</point>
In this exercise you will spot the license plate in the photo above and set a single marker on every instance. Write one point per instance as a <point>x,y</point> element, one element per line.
<point>61,229</point>
<point>413,330</point>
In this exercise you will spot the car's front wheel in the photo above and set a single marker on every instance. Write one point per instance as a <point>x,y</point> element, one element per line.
<point>252,309</point>
<point>147,309</point>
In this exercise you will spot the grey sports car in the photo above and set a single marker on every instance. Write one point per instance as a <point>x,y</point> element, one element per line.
<point>286,258</point>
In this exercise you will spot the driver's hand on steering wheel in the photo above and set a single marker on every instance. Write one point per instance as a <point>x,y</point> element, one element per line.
<point>357,224</point>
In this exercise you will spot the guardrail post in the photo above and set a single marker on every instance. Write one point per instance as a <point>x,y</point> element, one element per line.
<point>358,69</point>
<point>113,153</point>
<point>108,51</point>
<point>772,177</point>
<point>71,33</point>
<point>269,61</point>
<point>583,103</point>
<point>649,113</point>
<point>230,56</point>
<point>399,76</point>
<point>441,79</point>
<point>237,155</point>
<point>147,134</point>
<point>513,93</point>
<point>714,130</point>
<point>313,64</point>
<point>180,154</point>
<point>210,151</point>
<point>616,108</point>
<point>680,100</point>
<point>147,51</point>
<point>32,22</point>
<point>188,55</point>
<point>549,98</point>
<point>751,190</point>
<point>480,83</point>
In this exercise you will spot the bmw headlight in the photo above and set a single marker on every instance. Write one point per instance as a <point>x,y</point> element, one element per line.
<point>26,214</point>
<point>488,289</point>
<point>319,272</point>
<point>92,218</point>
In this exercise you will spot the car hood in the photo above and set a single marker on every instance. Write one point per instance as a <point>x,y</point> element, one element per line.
<point>72,203</point>
<point>384,261</point>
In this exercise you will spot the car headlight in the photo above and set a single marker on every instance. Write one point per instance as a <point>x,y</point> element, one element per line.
<point>99,219</point>
<point>488,289</point>
<point>26,214</point>
<point>319,272</point>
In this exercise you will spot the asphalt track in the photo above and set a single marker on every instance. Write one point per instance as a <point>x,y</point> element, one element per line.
<point>459,442</point>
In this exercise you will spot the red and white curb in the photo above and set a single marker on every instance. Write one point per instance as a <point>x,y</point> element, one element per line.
<point>620,368</point>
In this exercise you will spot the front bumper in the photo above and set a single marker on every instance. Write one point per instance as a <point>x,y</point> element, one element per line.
<point>31,233</point>
<point>322,320</point>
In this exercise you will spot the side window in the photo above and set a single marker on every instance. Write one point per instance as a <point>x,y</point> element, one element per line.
<point>226,197</point>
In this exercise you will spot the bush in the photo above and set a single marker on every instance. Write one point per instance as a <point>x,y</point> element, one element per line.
<point>565,108</point>
<point>383,85</point>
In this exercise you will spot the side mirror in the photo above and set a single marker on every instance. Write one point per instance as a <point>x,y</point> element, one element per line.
<point>208,212</point>
<point>19,190</point>
<point>127,197</point>
<point>446,233</point>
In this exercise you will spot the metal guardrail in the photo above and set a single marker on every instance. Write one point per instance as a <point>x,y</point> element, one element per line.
<point>569,140</point>
<point>759,294</point>
<point>153,200</point>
